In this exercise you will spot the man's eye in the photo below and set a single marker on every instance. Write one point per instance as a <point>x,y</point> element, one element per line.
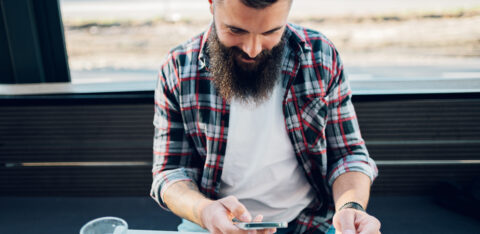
<point>236,31</point>
<point>271,32</point>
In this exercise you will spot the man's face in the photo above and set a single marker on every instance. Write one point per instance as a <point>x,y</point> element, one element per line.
<point>248,29</point>
<point>246,48</point>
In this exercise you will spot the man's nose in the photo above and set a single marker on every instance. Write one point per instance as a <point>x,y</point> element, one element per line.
<point>252,47</point>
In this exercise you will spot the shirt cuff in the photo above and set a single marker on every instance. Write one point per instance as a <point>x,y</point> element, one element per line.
<point>356,163</point>
<point>165,179</point>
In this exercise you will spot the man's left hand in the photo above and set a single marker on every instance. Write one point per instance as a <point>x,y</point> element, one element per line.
<point>351,221</point>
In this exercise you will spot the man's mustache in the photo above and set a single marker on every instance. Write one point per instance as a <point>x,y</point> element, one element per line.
<point>239,52</point>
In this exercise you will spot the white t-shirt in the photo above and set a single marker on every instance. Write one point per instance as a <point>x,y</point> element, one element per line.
<point>260,166</point>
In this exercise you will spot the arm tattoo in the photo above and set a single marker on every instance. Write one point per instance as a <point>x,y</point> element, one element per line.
<point>193,187</point>
<point>183,198</point>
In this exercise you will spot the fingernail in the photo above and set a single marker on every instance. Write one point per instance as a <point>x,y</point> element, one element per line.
<point>348,232</point>
<point>245,217</point>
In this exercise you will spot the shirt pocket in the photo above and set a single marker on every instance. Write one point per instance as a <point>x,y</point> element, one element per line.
<point>314,118</point>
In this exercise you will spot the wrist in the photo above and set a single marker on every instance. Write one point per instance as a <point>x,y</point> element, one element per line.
<point>352,205</point>
<point>201,205</point>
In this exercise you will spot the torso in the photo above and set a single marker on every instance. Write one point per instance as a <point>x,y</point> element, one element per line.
<point>260,167</point>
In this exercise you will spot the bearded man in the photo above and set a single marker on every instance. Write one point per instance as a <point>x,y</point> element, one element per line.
<point>254,121</point>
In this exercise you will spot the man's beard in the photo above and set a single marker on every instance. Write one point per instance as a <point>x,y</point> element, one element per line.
<point>243,81</point>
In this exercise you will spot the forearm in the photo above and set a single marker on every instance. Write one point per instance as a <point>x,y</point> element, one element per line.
<point>351,186</point>
<point>185,200</point>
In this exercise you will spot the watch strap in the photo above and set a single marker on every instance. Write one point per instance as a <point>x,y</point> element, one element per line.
<point>353,205</point>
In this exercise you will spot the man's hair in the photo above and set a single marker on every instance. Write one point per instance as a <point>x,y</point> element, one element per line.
<point>257,4</point>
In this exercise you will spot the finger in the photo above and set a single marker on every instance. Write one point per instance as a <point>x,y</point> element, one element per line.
<point>267,231</point>
<point>238,210</point>
<point>258,218</point>
<point>232,229</point>
<point>345,222</point>
<point>371,226</point>
<point>226,226</point>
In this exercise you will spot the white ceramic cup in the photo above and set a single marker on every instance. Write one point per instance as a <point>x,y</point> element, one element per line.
<point>105,225</point>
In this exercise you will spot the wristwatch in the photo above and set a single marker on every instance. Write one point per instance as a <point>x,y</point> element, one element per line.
<point>353,205</point>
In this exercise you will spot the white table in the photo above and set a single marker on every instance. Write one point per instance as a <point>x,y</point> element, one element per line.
<point>133,231</point>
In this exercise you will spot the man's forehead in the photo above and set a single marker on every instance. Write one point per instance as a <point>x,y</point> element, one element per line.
<point>256,4</point>
<point>234,11</point>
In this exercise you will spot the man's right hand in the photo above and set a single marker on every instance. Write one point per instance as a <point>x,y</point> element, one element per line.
<point>216,216</point>
<point>184,199</point>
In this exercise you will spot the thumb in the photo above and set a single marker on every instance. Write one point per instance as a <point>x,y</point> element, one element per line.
<point>237,209</point>
<point>345,222</point>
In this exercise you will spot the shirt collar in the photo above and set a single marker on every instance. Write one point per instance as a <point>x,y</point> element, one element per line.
<point>298,35</point>
<point>203,55</point>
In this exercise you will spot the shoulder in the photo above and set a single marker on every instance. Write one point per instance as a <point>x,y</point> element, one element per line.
<point>318,57</point>
<point>311,40</point>
<point>187,51</point>
<point>182,60</point>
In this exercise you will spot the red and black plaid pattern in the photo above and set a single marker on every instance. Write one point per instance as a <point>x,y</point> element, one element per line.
<point>191,121</point>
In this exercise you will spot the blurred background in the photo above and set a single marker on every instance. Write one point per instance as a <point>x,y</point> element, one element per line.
<point>378,40</point>
<point>76,106</point>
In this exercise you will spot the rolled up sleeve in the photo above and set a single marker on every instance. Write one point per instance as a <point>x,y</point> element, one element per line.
<point>172,150</point>
<point>346,149</point>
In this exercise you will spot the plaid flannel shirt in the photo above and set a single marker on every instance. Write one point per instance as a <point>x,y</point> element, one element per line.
<point>191,121</point>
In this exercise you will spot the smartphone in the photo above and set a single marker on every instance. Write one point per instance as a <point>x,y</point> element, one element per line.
<point>261,225</point>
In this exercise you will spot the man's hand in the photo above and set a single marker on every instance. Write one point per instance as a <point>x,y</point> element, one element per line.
<point>351,221</point>
<point>184,199</point>
<point>216,216</point>
<point>353,187</point>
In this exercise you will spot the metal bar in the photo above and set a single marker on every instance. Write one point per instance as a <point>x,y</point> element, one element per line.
<point>148,163</point>
<point>52,41</point>
<point>78,164</point>
<point>425,162</point>
<point>23,41</point>
<point>423,142</point>
<point>7,76</point>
